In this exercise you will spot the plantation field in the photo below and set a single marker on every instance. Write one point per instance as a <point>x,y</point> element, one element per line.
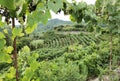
<point>36,45</point>
<point>55,56</point>
<point>66,56</point>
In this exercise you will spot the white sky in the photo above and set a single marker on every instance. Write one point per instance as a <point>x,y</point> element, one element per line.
<point>87,1</point>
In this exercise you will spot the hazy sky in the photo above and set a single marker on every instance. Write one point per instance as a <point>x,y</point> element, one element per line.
<point>88,1</point>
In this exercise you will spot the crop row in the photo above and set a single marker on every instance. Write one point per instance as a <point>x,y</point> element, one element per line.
<point>83,39</point>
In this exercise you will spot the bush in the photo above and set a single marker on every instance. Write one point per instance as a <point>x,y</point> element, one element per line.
<point>60,71</point>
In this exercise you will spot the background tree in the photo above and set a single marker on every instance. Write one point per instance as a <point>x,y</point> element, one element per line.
<point>108,12</point>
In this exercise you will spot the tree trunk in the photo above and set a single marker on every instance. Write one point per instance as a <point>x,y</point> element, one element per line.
<point>111,48</point>
<point>15,52</point>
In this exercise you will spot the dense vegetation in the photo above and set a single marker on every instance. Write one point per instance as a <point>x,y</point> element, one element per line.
<point>66,56</point>
<point>82,50</point>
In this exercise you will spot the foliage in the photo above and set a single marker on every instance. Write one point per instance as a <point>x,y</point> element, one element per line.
<point>70,28</point>
<point>84,54</point>
<point>23,11</point>
<point>4,51</point>
<point>5,60</point>
<point>92,57</point>
<point>49,53</point>
<point>26,64</point>
<point>60,40</point>
<point>109,14</point>
<point>60,71</point>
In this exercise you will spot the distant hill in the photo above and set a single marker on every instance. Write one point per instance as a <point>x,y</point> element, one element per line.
<point>51,24</point>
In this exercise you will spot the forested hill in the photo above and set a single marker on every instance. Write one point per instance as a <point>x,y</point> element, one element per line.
<point>51,24</point>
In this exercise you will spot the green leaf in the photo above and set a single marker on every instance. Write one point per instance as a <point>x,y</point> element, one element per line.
<point>35,18</point>
<point>24,78</point>
<point>38,16</point>
<point>2,43</point>
<point>1,79</point>
<point>2,76</point>
<point>9,49</point>
<point>0,18</point>
<point>26,49</point>
<point>7,58</point>
<point>44,17</point>
<point>17,32</point>
<point>10,4</point>
<point>30,29</point>
<point>55,5</point>
<point>1,35</point>
<point>82,5</point>
<point>4,57</point>
<point>5,31</point>
<point>40,7</point>
<point>2,24</point>
<point>98,3</point>
<point>34,65</point>
<point>72,18</point>
<point>11,73</point>
<point>28,74</point>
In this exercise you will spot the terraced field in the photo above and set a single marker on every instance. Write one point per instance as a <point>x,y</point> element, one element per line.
<point>84,39</point>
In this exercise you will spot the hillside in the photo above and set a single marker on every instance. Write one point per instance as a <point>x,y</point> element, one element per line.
<point>51,24</point>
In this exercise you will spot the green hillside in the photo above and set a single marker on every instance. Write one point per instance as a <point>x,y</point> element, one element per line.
<point>51,24</point>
